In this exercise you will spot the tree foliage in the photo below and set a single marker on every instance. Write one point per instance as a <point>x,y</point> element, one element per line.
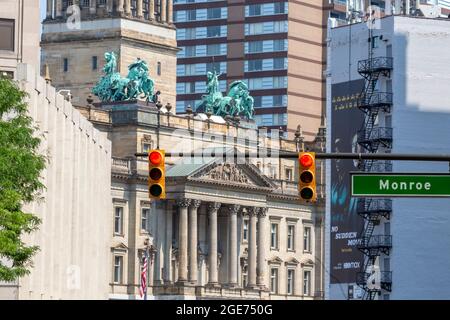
<point>20,169</point>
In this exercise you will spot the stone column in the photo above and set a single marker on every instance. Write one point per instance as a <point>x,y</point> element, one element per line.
<point>261,265</point>
<point>110,6</point>
<point>120,8</point>
<point>170,11</point>
<point>151,266</point>
<point>163,11</point>
<point>49,9</point>
<point>183,240</point>
<point>232,279</point>
<point>58,8</point>
<point>151,10</point>
<point>252,212</point>
<point>193,241</point>
<point>93,7</point>
<point>212,254</point>
<point>167,276</point>
<point>128,7</point>
<point>139,9</point>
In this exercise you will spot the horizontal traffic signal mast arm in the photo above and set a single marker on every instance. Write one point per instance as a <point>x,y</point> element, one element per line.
<point>294,155</point>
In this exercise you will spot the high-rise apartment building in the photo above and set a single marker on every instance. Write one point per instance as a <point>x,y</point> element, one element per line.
<point>276,46</point>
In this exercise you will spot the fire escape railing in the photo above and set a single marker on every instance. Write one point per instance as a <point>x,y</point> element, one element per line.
<point>370,138</point>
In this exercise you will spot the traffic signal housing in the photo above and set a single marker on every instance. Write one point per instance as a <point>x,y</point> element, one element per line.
<point>307,176</point>
<point>157,174</point>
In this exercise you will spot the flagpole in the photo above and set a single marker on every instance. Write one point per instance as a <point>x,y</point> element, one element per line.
<point>146,278</point>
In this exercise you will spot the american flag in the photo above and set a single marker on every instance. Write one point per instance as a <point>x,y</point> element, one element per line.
<point>143,288</point>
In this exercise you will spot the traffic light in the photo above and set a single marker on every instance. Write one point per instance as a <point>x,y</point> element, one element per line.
<point>157,174</point>
<point>307,176</point>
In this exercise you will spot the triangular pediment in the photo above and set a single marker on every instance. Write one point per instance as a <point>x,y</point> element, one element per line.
<point>275,260</point>
<point>245,174</point>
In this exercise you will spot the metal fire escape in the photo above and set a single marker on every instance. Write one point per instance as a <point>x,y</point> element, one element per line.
<point>370,138</point>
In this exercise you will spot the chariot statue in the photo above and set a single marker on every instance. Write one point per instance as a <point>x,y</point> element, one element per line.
<point>113,87</point>
<point>238,101</point>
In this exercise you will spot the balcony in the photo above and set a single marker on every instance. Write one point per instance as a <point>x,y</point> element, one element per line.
<point>380,166</point>
<point>385,280</point>
<point>376,100</point>
<point>375,65</point>
<point>367,207</point>
<point>370,139</point>
<point>376,242</point>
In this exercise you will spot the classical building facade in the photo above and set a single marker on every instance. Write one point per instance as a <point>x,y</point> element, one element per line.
<point>226,230</point>
<point>74,42</point>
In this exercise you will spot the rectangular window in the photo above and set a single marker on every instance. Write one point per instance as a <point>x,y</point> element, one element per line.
<point>214,13</point>
<point>213,49</point>
<point>257,101</point>
<point>145,217</point>
<point>190,51</point>
<point>191,15</point>
<point>94,63</point>
<point>118,220</point>
<point>307,283</point>
<point>191,33</point>
<point>290,281</point>
<point>290,237</point>
<point>289,174</point>
<point>158,68</point>
<point>213,31</point>
<point>274,280</point>
<point>245,230</point>
<point>254,10</point>
<point>256,28</point>
<point>307,239</point>
<point>118,265</point>
<point>66,64</point>
<point>279,7</point>
<point>274,236</point>
<point>146,147</point>
<point>277,101</point>
<point>213,66</point>
<point>278,63</point>
<point>255,46</point>
<point>278,45</point>
<point>7,34</point>
<point>255,65</point>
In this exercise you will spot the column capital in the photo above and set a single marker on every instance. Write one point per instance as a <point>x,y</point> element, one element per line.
<point>195,203</point>
<point>263,212</point>
<point>234,209</point>
<point>252,211</point>
<point>183,202</point>
<point>214,206</point>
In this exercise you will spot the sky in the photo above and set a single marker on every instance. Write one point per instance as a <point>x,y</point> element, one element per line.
<point>43,4</point>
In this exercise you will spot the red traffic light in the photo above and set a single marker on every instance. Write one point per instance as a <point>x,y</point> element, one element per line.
<point>155,158</point>
<point>306,160</point>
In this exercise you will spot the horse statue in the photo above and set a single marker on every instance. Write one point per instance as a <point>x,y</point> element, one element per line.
<point>113,87</point>
<point>237,102</point>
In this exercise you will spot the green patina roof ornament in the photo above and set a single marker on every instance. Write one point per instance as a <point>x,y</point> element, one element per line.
<point>113,87</point>
<point>238,102</point>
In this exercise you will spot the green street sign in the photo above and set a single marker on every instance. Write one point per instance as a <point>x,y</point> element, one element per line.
<point>400,184</point>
